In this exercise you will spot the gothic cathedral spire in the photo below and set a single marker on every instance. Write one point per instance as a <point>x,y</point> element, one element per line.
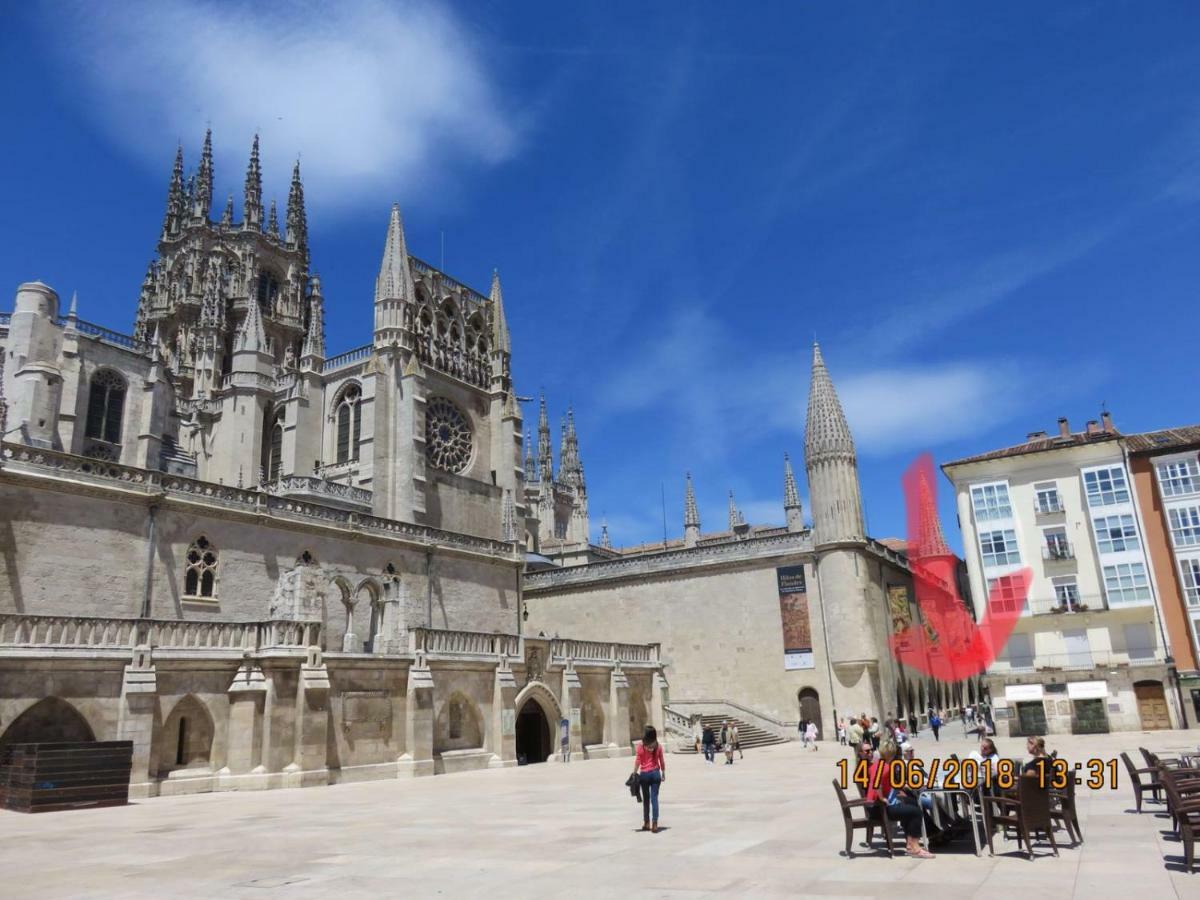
<point>545,457</point>
<point>202,199</point>
<point>175,198</point>
<point>296,223</point>
<point>791,498</point>
<point>831,463</point>
<point>394,285</point>
<point>691,515</point>
<point>252,208</point>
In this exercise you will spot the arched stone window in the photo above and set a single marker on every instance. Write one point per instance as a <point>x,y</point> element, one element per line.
<point>348,416</point>
<point>274,465</point>
<point>187,737</point>
<point>457,712</point>
<point>268,292</point>
<point>200,576</point>
<point>106,405</point>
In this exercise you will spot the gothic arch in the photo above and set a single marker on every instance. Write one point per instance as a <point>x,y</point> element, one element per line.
<point>544,697</point>
<point>339,605</point>
<point>459,724</point>
<point>51,719</point>
<point>368,612</point>
<point>187,737</point>
<point>810,708</point>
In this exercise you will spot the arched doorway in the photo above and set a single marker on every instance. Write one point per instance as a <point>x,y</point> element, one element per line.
<point>49,720</point>
<point>187,737</point>
<point>534,737</point>
<point>810,709</point>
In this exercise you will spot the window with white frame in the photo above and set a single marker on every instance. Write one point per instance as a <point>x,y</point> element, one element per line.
<point>1185,526</point>
<point>999,548</point>
<point>1126,583</point>
<point>1007,594</point>
<point>1106,487</point>
<point>990,501</point>
<point>1057,546</point>
<point>1179,478</point>
<point>1115,534</point>
<point>1066,591</point>
<point>1190,569</point>
<point>1048,500</point>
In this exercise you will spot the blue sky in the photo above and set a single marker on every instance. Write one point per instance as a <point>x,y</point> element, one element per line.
<point>988,214</point>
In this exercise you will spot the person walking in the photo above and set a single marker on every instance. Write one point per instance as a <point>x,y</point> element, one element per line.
<point>841,732</point>
<point>935,723</point>
<point>727,742</point>
<point>710,752</point>
<point>697,732</point>
<point>650,766</point>
<point>810,735</point>
<point>874,732</point>
<point>737,741</point>
<point>854,733</point>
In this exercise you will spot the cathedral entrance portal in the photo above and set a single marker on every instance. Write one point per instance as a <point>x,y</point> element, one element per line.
<point>534,739</point>
<point>810,709</point>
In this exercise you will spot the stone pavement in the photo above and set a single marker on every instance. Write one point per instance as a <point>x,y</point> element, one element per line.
<point>767,826</point>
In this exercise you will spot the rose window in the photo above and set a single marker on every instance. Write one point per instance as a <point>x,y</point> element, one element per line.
<point>447,436</point>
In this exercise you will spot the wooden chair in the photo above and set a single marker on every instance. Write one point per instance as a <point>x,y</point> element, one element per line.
<point>1135,779</point>
<point>1062,809</point>
<point>874,816</point>
<point>1028,813</point>
<point>1180,786</point>
<point>1183,802</point>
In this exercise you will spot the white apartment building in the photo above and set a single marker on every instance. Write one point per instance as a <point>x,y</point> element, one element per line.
<point>1088,652</point>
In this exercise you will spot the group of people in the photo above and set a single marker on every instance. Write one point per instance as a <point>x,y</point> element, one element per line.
<point>913,809</point>
<point>710,741</point>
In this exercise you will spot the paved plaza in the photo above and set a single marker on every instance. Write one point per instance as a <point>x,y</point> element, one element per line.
<point>767,826</point>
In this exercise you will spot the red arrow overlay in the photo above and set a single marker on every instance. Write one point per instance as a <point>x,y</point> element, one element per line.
<point>951,646</point>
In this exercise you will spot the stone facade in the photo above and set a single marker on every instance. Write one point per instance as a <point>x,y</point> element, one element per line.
<point>271,567</point>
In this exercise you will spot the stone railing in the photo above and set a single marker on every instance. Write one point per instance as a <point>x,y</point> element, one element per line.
<point>648,563</point>
<point>677,722</point>
<point>603,651</point>
<point>358,354</point>
<point>152,481</point>
<point>101,633</point>
<point>252,380</point>
<point>107,335</point>
<point>186,408</point>
<point>733,710</point>
<point>319,487</point>
<point>439,641</point>
<point>426,269</point>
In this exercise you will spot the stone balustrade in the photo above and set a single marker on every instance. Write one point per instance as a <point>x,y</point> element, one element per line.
<point>152,481</point>
<point>439,641</point>
<point>20,631</point>
<point>350,357</point>
<point>320,488</point>
<point>603,651</point>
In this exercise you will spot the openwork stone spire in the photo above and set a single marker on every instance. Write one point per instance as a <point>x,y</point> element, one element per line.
<point>735,517</point>
<point>545,456</point>
<point>605,540</point>
<point>175,198</point>
<point>252,209</point>
<point>691,513</point>
<point>530,462</point>
<point>826,433</point>
<point>227,215</point>
<point>202,198</point>
<point>273,221</point>
<point>791,498</point>
<point>297,218</point>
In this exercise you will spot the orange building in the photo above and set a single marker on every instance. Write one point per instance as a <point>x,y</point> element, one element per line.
<point>1165,468</point>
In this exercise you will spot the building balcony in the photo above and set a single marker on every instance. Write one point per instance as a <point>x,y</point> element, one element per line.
<point>1048,507</point>
<point>1058,551</point>
<point>1064,606</point>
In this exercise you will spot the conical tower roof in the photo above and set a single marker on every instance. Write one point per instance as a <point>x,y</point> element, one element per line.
<point>500,337</point>
<point>691,513</point>
<point>395,280</point>
<point>791,494</point>
<point>826,433</point>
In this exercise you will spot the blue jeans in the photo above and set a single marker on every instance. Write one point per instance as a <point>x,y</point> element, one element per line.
<point>650,782</point>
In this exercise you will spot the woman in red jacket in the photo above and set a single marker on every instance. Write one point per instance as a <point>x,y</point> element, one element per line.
<point>651,768</point>
<point>899,806</point>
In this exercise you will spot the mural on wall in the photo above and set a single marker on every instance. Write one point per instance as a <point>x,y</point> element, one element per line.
<point>898,607</point>
<point>793,613</point>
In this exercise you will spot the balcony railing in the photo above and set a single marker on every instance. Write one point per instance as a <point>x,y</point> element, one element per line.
<point>1047,507</point>
<point>1057,605</point>
<point>108,633</point>
<point>1058,551</point>
<point>1084,660</point>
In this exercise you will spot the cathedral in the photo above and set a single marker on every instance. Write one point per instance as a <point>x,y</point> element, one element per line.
<point>267,566</point>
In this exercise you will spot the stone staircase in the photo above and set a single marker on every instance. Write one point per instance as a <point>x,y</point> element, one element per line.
<point>749,736</point>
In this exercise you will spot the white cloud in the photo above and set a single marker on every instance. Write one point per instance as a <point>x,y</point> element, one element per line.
<point>376,97</point>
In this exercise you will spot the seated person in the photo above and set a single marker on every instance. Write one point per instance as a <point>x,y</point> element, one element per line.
<point>900,805</point>
<point>1037,758</point>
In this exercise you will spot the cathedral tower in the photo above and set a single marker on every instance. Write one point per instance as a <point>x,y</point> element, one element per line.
<point>853,636</point>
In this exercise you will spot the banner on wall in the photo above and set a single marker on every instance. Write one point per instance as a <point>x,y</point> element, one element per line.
<point>898,607</point>
<point>793,614</point>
